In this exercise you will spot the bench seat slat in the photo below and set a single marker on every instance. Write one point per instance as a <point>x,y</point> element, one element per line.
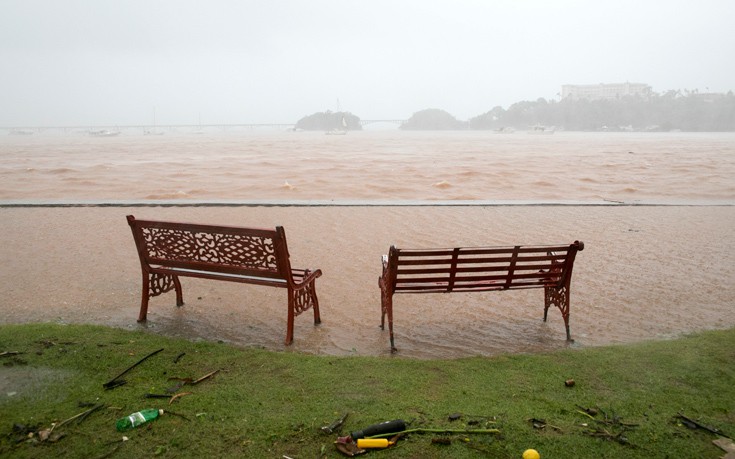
<point>481,250</point>
<point>470,269</point>
<point>216,268</point>
<point>221,276</point>
<point>416,261</point>
<point>488,286</point>
<point>547,277</point>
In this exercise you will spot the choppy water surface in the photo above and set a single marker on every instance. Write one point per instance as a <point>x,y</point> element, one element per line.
<point>373,165</point>
<point>647,272</point>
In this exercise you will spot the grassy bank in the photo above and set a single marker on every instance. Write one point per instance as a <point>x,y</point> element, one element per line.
<point>272,404</point>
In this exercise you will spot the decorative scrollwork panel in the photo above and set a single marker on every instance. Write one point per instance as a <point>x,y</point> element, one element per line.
<point>226,249</point>
<point>304,299</point>
<point>558,297</point>
<point>159,284</point>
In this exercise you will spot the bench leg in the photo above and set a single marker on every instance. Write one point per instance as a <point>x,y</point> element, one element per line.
<point>393,348</point>
<point>290,318</point>
<point>179,294</point>
<point>558,297</point>
<point>144,296</point>
<point>155,284</point>
<point>383,303</point>
<point>299,301</point>
<point>386,308</point>
<point>314,303</point>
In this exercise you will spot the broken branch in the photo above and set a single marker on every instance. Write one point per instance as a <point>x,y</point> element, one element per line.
<point>114,381</point>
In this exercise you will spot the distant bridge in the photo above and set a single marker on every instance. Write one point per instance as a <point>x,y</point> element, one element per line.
<point>366,122</point>
<point>144,127</point>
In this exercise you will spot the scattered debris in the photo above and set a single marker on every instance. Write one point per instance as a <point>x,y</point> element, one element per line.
<point>569,383</point>
<point>374,443</point>
<point>382,429</point>
<point>348,448</point>
<point>178,396</point>
<point>441,431</point>
<point>692,424</point>
<point>613,429</point>
<point>541,424</point>
<point>14,359</point>
<point>9,353</point>
<point>179,415</point>
<point>46,433</point>
<point>335,426</point>
<point>35,434</point>
<point>137,419</point>
<point>591,412</point>
<point>193,382</point>
<point>386,434</point>
<point>116,381</point>
<point>441,441</point>
<point>82,416</point>
<point>171,398</point>
<point>178,357</point>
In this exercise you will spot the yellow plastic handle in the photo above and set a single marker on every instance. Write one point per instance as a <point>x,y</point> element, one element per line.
<point>373,443</point>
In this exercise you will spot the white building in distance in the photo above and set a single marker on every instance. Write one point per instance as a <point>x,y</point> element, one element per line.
<point>605,91</point>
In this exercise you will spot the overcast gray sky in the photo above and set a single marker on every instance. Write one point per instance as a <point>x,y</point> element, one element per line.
<point>88,62</point>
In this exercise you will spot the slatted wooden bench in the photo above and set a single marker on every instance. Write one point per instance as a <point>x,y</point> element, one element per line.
<point>169,250</point>
<point>478,269</point>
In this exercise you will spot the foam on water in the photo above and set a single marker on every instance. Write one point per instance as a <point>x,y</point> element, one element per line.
<point>373,165</point>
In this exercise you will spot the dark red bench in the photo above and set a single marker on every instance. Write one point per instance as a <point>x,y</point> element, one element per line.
<point>479,269</point>
<point>169,250</point>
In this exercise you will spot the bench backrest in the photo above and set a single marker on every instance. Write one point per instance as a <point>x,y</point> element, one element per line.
<point>259,253</point>
<point>479,268</point>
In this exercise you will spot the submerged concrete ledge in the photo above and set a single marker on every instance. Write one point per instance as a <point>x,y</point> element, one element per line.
<point>340,203</point>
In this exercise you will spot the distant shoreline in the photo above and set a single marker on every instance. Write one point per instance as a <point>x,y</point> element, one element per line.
<point>348,203</point>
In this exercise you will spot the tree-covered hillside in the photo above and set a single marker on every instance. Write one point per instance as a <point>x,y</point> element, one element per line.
<point>660,112</point>
<point>672,110</point>
<point>328,121</point>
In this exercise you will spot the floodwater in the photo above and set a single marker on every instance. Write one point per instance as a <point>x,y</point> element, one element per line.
<point>656,212</point>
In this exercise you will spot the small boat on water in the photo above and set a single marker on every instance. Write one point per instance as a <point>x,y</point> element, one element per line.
<point>103,133</point>
<point>339,131</point>
<point>153,131</point>
<point>540,129</point>
<point>21,132</point>
<point>504,130</point>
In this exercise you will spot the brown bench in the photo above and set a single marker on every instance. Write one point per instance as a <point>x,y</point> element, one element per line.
<point>478,269</point>
<point>169,250</point>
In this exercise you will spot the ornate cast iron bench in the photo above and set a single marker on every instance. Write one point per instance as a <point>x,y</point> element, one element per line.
<point>169,250</point>
<point>478,269</point>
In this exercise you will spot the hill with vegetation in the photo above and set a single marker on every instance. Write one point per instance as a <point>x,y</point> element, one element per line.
<point>432,119</point>
<point>670,111</point>
<point>659,112</point>
<point>329,121</point>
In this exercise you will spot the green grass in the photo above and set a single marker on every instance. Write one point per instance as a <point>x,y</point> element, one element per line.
<point>272,404</point>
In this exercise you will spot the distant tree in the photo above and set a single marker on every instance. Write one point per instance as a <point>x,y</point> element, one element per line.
<point>326,121</point>
<point>432,119</point>
<point>489,120</point>
<point>674,109</point>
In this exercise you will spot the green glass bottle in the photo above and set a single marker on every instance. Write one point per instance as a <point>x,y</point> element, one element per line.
<point>136,419</point>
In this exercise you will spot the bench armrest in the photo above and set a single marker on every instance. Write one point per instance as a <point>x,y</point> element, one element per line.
<point>305,276</point>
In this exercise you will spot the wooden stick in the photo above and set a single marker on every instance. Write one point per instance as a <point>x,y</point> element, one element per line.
<point>113,383</point>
